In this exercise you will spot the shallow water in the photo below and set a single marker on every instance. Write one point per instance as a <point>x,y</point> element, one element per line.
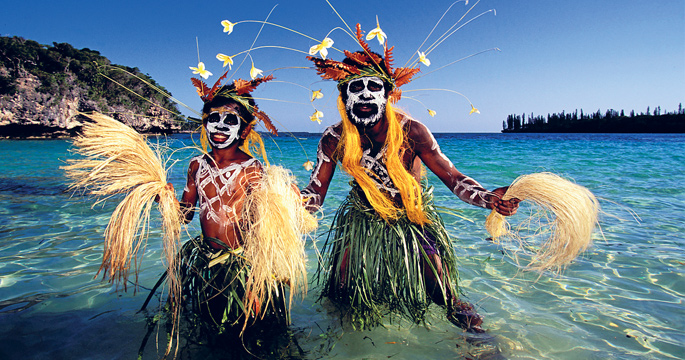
<point>623,299</point>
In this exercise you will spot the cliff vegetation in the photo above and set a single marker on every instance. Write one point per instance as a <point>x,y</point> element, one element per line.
<point>43,88</point>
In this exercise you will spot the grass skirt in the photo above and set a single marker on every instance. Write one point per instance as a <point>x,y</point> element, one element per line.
<point>373,268</point>
<point>216,292</point>
<point>213,304</point>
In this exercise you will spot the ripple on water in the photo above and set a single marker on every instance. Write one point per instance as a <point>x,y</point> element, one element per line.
<point>622,299</point>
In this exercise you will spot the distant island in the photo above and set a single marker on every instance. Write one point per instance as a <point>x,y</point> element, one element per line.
<point>44,87</point>
<point>611,121</point>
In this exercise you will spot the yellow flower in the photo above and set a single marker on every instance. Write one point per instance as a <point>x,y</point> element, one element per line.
<point>200,69</point>
<point>474,110</point>
<point>431,112</point>
<point>316,94</point>
<point>316,116</point>
<point>377,32</point>
<point>423,59</point>
<point>228,60</point>
<point>254,72</point>
<point>228,27</point>
<point>321,48</point>
<point>308,165</point>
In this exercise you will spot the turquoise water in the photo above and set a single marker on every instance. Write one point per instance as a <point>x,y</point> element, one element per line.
<point>623,299</point>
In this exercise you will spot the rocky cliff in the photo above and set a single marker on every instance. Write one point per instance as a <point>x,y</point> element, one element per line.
<point>44,88</point>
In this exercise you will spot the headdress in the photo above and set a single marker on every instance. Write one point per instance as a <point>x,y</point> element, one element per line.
<point>366,63</point>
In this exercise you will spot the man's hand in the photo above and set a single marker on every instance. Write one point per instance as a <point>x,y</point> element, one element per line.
<point>504,207</point>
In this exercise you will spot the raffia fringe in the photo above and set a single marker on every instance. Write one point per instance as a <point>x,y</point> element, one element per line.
<point>573,211</point>
<point>273,236</point>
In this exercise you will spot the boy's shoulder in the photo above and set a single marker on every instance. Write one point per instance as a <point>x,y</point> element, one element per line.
<point>250,162</point>
<point>197,159</point>
<point>206,160</point>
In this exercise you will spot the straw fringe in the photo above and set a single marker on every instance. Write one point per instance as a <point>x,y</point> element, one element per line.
<point>276,222</point>
<point>575,211</point>
<point>117,160</point>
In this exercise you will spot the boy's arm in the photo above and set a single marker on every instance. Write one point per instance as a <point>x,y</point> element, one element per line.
<point>466,188</point>
<point>315,192</point>
<point>189,197</point>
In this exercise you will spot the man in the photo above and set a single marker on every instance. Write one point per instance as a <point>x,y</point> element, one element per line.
<point>388,249</point>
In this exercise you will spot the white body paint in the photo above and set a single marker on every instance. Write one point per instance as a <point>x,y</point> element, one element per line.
<point>213,185</point>
<point>366,96</point>
<point>309,193</point>
<point>224,129</point>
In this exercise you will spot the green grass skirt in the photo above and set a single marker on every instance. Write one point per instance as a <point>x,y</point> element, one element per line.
<point>213,311</point>
<point>216,293</point>
<point>384,272</point>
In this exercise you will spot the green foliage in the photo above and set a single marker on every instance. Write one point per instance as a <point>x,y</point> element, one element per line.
<point>60,68</point>
<point>6,85</point>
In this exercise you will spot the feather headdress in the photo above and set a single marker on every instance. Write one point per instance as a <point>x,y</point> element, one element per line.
<point>366,63</point>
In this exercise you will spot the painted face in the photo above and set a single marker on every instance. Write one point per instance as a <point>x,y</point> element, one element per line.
<point>223,125</point>
<point>366,100</point>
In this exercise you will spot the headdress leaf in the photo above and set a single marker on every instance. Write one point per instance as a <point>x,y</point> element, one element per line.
<point>243,87</point>
<point>360,38</point>
<point>201,87</point>
<point>215,88</point>
<point>403,75</point>
<point>268,124</point>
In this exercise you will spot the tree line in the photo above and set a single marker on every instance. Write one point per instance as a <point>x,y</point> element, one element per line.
<point>611,121</point>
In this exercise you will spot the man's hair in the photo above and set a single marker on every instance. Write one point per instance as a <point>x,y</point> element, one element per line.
<point>349,152</point>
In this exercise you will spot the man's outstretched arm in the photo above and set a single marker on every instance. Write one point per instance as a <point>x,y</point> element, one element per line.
<point>466,188</point>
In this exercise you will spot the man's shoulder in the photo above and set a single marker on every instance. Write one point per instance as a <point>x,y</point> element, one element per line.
<point>416,130</point>
<point>333,131</point>
<point>331,136</point>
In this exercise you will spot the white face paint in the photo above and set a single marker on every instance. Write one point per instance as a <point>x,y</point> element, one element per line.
<point>223,126</point>
<point>366,100</point>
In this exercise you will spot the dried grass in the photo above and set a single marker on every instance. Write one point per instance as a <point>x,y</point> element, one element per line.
<point>117,160</point>
<point>571,208</point>
<point>273,239</point>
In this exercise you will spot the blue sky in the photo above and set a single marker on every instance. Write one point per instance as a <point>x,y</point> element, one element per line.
<point>555,55</point>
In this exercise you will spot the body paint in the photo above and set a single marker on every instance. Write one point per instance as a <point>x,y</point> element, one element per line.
<point>224,124</point>
<point>366,93</point>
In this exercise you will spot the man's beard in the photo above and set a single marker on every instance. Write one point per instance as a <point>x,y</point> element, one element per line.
<point>365,113</point>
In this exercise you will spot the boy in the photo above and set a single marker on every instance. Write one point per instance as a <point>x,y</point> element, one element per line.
<point>214,270</point>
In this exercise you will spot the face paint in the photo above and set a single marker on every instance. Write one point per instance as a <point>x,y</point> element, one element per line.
<point>222,127</point>
<point>366,100</point>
